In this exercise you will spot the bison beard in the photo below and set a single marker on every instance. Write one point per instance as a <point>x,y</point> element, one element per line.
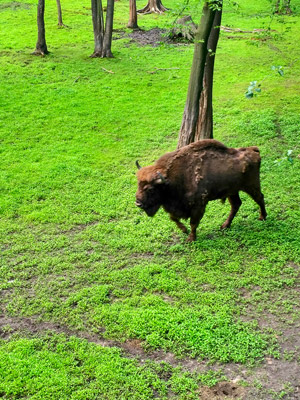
<point>184,181</point>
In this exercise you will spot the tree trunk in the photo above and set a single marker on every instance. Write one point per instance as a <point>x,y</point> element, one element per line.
<point>283,7</point>
<point>59,14</point>
<point>153,6</point>
<point>277,4</point>
<point>204,129</point>
<point>98,26</point>
<point>41,46</point>
<point>191,110</point>
<point>132,23</point>
<point>106,51</point>
<point>287,7</point>
<point>102,38</point>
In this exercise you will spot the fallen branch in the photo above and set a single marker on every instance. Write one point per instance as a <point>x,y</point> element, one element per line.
<point>227,29</point>
<point>108,71</point>
<point>160,69</point>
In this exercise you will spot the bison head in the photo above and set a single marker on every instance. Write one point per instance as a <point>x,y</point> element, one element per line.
<point>150,189</point>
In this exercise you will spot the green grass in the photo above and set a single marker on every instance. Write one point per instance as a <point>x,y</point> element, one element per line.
<point>74,248</point>
<point>54,367</point>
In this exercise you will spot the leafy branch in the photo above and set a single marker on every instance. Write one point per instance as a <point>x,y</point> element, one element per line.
<point>254,88</point>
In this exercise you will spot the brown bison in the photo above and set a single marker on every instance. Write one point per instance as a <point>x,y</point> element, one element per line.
<point>184,181</point>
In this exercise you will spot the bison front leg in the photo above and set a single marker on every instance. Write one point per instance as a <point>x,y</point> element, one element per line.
<point>179,224</point>
<point>235,203</point>
<point>194,222</point>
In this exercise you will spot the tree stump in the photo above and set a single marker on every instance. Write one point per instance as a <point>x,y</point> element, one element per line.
<point>184,28</point>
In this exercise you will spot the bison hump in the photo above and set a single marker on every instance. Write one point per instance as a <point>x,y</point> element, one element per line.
<point>206,144</point>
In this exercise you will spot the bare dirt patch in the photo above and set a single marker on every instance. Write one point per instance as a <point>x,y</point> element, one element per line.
<point>153,37</point>
<point>79,227</point>
<point>15,5</point>
<point>222,390</point>
<point>273,379</point>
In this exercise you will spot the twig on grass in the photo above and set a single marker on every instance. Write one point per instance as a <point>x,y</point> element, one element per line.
<point>228,29</point>
<point>160,69</point>
<point>108,71</point>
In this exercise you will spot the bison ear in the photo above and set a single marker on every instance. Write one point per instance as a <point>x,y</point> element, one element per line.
<point>160,178</point>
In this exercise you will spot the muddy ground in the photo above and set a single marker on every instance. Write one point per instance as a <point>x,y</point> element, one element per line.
<point>272,379</point>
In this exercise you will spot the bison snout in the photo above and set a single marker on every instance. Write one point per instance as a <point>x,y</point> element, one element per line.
<point>139,204</point>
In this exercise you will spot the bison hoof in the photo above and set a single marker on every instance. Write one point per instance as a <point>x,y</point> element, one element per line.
<point>224,226</point>
<point>191,238</point>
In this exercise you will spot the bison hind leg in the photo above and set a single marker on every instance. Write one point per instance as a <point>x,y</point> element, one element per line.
<point>235,203</point>
<point>180,225</point>
<point>258,197</point>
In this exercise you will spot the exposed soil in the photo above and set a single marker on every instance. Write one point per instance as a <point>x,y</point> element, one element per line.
<point>154,37</point>
<point>222,390</point>
<point>263,382</point>
<point>15,5</point>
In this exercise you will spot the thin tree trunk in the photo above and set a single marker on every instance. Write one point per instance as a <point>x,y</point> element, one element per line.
<point>59,14</point>
<point>41,46</point>
<point>204,129</point>
<point>287,7</point>
<point>98,26</point>
<point>106,51</point>
<point>191,110</point>
<point>277,6</point>
<point>132,23</point>
<point>283,7</point>
<point>153,6</point>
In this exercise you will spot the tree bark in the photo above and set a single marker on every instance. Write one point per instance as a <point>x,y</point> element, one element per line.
<point>98,26</point>
<point>287,7</point>
<point>204,128</point>
<point>106,51</point>
<point>41,46</point>
<point>283,7</point>
<point>132,23</point>
<point>102,38</point>
<point>277,4</point>
<point>191,110</point>
<point>153,6</point>
<point>59,14</point>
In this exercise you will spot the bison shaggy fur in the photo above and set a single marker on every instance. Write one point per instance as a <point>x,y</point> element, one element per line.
<point>184,181</point>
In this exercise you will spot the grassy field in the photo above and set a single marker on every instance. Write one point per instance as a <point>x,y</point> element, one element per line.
<point>98,301</point>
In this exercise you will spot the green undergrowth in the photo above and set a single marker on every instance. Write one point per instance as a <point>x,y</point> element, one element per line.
<point>54,367</point>
<point>74,249</point>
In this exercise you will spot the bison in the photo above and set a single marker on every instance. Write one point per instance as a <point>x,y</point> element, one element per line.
<point>185,180</point>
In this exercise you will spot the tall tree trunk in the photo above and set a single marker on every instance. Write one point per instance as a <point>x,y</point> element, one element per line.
<point>41,46</point>
<point>283,7</point>
<point>287,7</point>
<point>98,26</point>
<point>102,38</point>
<point>204,128</point>
<point>132,23</point>
<point>277,6</point>
<point>153,6</point>
<point>191,110</point>
<point>106,51</point>
<point>59,14</point>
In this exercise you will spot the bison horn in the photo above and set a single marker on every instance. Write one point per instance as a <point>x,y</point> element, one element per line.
<point>138,165</point>
<point>161,178</point>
